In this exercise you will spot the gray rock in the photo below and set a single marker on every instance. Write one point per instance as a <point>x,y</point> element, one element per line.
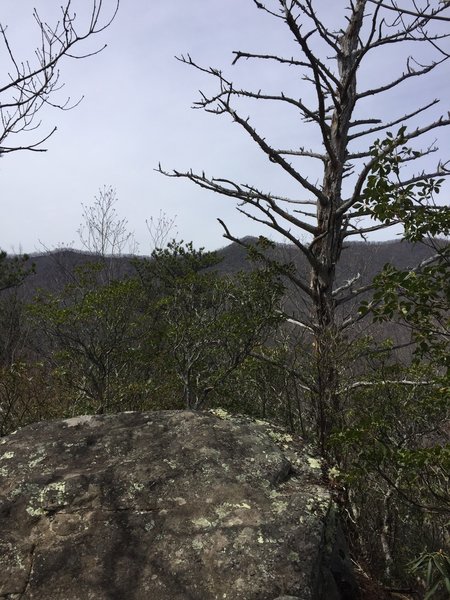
<point>171,505</point>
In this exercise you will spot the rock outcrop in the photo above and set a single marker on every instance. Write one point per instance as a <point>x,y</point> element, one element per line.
<point>171,505</point>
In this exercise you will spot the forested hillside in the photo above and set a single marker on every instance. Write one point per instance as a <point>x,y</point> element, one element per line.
<point>52,269</point>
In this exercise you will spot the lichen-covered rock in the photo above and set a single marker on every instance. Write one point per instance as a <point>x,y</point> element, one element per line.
<point>168,505</point>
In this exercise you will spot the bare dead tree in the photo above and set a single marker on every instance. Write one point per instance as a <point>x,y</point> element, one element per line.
<point>159,228</point>
<point>325,212</point>
<point>105,234</point>
<point>27,86</point>
<point>102,231</point>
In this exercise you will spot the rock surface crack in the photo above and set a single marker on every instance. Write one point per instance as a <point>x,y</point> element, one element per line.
<point>30,572</point>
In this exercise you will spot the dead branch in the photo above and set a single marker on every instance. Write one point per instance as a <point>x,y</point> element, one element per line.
<point>29,87</point>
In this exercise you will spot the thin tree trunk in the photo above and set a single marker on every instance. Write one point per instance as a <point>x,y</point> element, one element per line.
<point>326,248</point>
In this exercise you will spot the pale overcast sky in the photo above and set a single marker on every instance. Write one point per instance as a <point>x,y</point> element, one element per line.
<point>136,113</point>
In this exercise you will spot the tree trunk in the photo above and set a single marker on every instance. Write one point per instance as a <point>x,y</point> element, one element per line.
<point>326,248</point>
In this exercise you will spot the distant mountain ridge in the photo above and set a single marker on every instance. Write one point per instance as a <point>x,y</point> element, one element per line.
<point>52,269</point>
